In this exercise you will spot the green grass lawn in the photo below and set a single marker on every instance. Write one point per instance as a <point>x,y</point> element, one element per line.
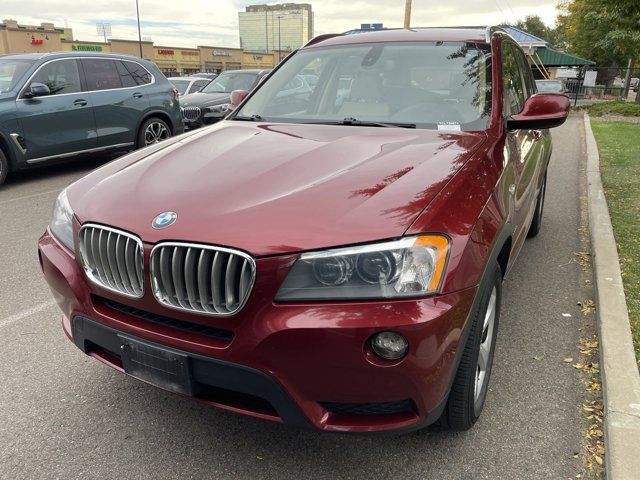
<point>619,146</point>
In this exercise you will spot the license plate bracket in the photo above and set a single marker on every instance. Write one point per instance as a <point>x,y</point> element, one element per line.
<point>156,365</point>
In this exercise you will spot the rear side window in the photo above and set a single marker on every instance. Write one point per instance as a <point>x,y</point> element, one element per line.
<point>101,74</point>
<point>140,74</point>
<point>125,75</point>
<point>61,76</point>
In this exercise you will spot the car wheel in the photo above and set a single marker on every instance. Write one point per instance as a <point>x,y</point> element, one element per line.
<point>469,389</point>
<point>536,223</point>
<point>152,131</point>
<point>4,167</point>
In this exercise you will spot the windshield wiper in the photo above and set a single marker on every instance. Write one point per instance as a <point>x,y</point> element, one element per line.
<point>252,118</point>
<point>365,123</point>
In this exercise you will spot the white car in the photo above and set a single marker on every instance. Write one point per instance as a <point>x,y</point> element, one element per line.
<point>186,85</point>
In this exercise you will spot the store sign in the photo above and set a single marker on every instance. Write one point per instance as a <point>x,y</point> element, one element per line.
<point>257,58</point>
<point>164,51</point>
<point>190,52</point>
<point>567,73</point>
<point>37,41</point>
<point>86,48</point>
<point>221,53</point>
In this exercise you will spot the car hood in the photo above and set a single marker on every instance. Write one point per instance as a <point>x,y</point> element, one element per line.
<point>276,188</point>
<point>199,99</point>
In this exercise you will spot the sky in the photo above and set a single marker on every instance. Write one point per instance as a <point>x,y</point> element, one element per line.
<point>188,23</point>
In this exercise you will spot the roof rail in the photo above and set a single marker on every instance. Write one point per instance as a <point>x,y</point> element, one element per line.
<point>321,38</point>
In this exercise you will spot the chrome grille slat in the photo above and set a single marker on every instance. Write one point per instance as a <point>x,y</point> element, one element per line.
<point>130,263</point>
<point>112,259</point>
<point>201,279</point>
<point>191,279</point>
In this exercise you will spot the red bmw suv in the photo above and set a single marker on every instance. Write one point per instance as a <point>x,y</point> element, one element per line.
<point>328,257</point>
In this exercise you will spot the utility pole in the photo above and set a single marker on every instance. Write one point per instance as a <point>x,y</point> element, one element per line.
<point>407,14</point>
<point>139,32</point>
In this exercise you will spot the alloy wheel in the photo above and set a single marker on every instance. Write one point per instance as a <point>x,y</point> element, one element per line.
<point>155,132</point>
<point>484,352</point>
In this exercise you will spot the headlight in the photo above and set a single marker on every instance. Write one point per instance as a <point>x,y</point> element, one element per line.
<point>62,221</point>
<point>409,267</point>
<point>218,108</point>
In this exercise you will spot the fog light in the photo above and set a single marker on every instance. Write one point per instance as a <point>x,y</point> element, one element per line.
<point>389,345</point>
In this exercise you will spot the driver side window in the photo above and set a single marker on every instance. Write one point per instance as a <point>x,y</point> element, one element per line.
<point>513,88</point>
<point>61,76</point>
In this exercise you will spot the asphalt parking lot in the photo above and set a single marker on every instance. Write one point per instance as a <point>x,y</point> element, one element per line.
<point>64,415</point>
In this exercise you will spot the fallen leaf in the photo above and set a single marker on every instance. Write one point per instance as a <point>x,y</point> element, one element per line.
<point>598,459</point>
<point>538,357</point>
<point>568,359</point>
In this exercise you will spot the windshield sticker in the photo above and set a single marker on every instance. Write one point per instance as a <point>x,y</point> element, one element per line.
<point>449,126</point>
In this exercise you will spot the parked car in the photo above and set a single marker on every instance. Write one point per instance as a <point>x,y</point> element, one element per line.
<point>335,263</point>
<point>187,85</point>
<point>59,105</point>
<point>210,76</point>
<point>211,104</point>
<point>551,86</point>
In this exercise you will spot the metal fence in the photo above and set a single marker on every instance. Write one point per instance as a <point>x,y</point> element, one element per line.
<point>601,83</point>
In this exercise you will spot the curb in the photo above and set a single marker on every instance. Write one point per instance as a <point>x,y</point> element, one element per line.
<point>619,371</point>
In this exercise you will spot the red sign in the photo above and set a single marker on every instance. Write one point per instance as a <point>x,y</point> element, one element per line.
<point>37,41</point>
<point>189,52</point>
<point>165,52</point>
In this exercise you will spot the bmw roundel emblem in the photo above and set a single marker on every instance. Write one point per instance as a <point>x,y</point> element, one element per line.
<point>164,220</point>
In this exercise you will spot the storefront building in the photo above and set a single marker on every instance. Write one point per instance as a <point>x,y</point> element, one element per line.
<point>15,38</point>
<point>172,61</point>
<point>217,59</point>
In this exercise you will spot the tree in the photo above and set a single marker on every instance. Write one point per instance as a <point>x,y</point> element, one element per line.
<point>607,31</point>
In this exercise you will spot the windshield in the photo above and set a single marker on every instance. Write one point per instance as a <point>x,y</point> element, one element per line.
<point>11,71</point>
<point>227,82</point>
<point>443,85</point>
<point>549,87</point>
<point>181,85</point>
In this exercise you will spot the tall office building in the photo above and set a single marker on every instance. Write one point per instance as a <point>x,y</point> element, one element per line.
<point>285,26</point>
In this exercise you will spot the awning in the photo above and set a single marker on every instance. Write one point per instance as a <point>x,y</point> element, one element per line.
<point>553,58</point>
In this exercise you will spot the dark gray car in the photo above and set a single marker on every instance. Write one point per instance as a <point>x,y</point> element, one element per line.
<point>59,105</point>
<point>211,104</point>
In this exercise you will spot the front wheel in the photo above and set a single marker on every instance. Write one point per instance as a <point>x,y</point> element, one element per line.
<point>4,167</point>
<point>469,389</point>
<point>152,131</point>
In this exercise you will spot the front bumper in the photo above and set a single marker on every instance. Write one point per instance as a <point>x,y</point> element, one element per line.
<point>207,118</point>
<point>301,364</point>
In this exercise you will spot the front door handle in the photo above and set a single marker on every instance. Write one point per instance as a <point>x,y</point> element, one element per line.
<point>137,95</point>
<point>80,102</point>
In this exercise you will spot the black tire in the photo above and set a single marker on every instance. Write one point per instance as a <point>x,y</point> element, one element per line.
<point>160,131</point>
<point>536,223</point>
<point>463,408</point>
<point>4,167</point>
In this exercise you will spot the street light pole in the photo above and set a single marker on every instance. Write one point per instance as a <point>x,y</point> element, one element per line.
<point>279,46</point>
<point>139,33</point>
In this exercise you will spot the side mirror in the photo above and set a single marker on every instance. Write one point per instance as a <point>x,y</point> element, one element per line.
<point>37,90</point>
<point>540,111</point>
<point>237,97</point>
